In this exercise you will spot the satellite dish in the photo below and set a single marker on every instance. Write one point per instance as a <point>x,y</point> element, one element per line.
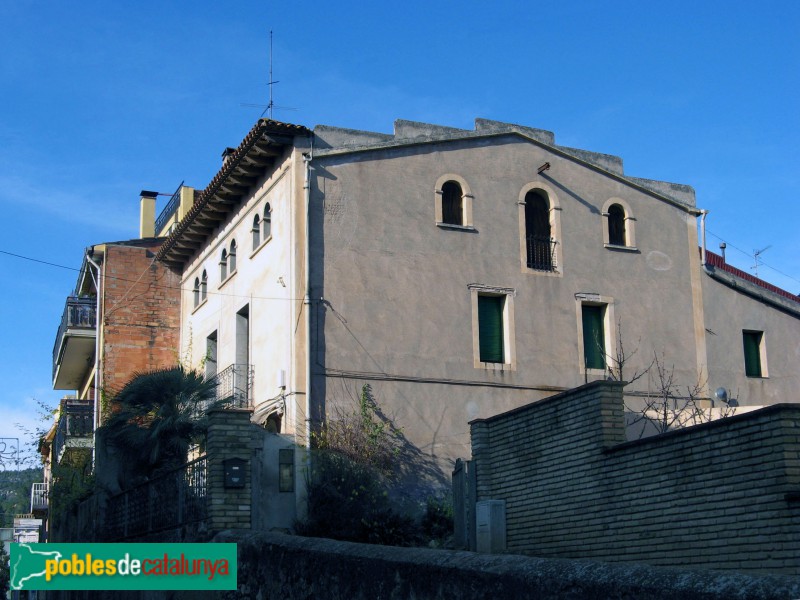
<point>721,394</point>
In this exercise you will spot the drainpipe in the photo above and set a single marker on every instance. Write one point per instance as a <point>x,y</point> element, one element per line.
<point>307,300</point>
<point>97,284</point>
<point>703,214</point>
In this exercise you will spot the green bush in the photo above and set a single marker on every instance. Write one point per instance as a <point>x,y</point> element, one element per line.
<point>349,501</point>
<point>437,521</point>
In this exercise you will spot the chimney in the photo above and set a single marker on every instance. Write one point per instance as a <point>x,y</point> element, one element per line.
<point>226,154</point>
<point>147,214</point>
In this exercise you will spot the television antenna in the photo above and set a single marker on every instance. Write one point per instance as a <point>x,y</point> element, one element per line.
<point>269,107</point>
<point>757,258</point>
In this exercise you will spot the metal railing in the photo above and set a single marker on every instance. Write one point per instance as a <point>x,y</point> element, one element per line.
<point>39,500</point>
<point>79,313</point>
<point>541,253</point>
<point>173,500</point>
<point>234,388</point>
<point>169,210</point>
<point>75,421</point>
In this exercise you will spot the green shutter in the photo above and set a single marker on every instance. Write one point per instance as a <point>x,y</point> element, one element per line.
<point>752,353</point>
<point>593,337</point>
<point>490,328</point>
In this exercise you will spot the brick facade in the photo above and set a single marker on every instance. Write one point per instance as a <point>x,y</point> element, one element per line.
<point>141,314</point>
<point>229,437</point>
<point>722,495</point>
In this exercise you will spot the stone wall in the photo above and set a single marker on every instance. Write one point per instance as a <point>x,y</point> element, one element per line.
<point>289,567</point>
<point>722,495</point>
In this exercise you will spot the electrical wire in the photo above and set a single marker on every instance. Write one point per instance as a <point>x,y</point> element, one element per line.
<point>158,285</point>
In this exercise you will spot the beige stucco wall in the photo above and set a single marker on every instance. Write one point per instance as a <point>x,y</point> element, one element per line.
<point>727,313</point>
<point>267,281</point>
<point>398,310</point>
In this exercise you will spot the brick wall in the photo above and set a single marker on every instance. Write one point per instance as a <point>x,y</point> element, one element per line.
<point>141,314</point>
<point>722,495</point>
<point>230,436</point>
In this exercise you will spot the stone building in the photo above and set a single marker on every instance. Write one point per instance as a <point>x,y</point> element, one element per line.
<point>461,273</point>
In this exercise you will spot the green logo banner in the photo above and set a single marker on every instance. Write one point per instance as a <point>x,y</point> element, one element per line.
<point>123,566</point>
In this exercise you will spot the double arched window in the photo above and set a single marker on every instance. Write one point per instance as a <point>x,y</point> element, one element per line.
<point>199,290</point>
<point>227,262</point>
<point>262,227</point>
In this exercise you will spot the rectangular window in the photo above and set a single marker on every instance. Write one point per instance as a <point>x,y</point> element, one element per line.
<point>211,356</point>
<point>286,470</point>
<point>594,354</point>
<point>490,328</point>
<point>752,341</point>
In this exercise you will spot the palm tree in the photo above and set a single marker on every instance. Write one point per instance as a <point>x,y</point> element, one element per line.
<point>154,419</point>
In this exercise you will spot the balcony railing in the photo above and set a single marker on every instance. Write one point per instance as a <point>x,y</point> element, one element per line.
<point>74,429</point>
<point>234,388</point>
<point>38,497</point>
<point>169,210</point>
<point>541,253</point>
<point>80,317</point>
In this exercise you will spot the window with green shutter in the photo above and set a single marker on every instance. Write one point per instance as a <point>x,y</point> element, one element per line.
<point>490,328</point>
<point>593,336</point>
<point>752,353</point>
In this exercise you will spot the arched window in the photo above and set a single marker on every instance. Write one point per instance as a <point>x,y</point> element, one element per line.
<point>452,205</point>
<point>256,231</point>
<point>616,225</point>
<point>619,225</point>
<point>232,258</point>
<point>203,286</point>
<point>267,221</point>
<point>223,265</point>
<point>538,240</point>
<point>196,291</point>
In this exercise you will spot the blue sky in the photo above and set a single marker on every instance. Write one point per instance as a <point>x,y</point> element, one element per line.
<point>102,99</point>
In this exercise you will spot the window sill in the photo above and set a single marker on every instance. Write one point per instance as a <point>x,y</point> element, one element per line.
<point>621,248</point>
<point>456,227</point>
<point>226,280</point>
<point>602,373</point>
<point>200,305</point>
<point>542,272</point>
<point>757,376</point>
<point>492,366</point>
<point>260,246</point>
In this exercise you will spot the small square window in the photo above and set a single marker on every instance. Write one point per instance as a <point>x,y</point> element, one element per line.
<point>753,342</point>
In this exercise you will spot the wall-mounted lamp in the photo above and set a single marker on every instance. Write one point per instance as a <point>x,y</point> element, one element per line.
<point>543,168</point>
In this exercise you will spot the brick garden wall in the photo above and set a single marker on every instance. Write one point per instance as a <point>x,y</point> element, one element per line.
<point>721,495</point>
<point>141,314</point>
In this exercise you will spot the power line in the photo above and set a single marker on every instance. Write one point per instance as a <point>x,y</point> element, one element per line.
<point>749,255</point>
<point>158,285</point>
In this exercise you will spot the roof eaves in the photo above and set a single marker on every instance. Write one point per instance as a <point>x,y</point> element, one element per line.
<point>261,128</point>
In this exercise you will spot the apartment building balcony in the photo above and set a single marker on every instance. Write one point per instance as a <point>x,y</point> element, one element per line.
<point>75,427</point>
<point>234,387</point>
<point>39,498</point>
<point>73,351</point>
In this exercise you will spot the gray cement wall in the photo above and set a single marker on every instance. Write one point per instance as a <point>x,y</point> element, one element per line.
<point>723,495</point>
